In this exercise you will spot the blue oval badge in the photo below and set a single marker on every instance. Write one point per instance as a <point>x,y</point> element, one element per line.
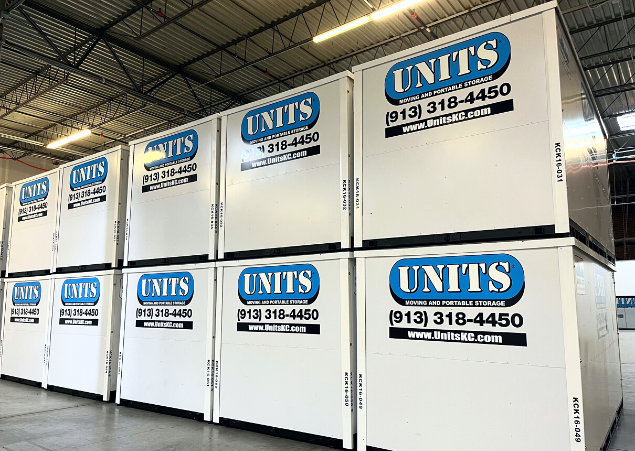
<point>89,174</point>
<point>173,288</point>
<point>171,150</point>
<point>468,63</point>
<point>81,291</point>
<point>283,118</point>
<point>279,285</point>
<point>496,280</point>
<point>26,293</point>
<point>34,191</point>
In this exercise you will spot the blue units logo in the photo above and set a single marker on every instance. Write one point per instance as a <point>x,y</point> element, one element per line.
<point>89,174</point>
<point>468,63</point>
<point>279,285</point>
<point>34,191</point>
<point>26,293</point>
<point>496,280</point>
<point>174,149</point>
<point>286,117</point>
<point>173,288</point>
<point>81,291</point>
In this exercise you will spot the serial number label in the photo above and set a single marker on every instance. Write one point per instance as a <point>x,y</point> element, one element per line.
<point>163,313</point>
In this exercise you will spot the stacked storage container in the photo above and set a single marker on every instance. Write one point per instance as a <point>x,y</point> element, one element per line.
<point>284,331</point>
<point>6,197</point>
<point>484,248</point>
<point>30,261</point>
<point>83,333</point>
<point>166,356</point>
<point>625,292</point>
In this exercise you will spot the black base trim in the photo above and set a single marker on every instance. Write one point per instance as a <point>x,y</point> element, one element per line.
<point>19,380</point>
<point>3,273</point>
<point>518,233</point>
<point>284,251</point>
<point>285,433</point>
<point>162,409</point>
<point>169,261</point>
<point>374,448</point>
<point>581,235</point>
<point>625,328</point>
<point>611,432</point>
<point>84,268</point>
<point>40,272</point>
<point>82,394</point>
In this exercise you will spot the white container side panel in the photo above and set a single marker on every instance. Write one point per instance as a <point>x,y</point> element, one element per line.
<point>90,207</point>
<point>599,347</point>
<point>585,152</point>
<point>82,331</point>
<point>286,342</point>
<point>25,328</point>
<point>625,278</point>
<point>626,319</point>
<point>6,197</point>
<point>287,162</point>
<point>478,156</point>
<point>478,326</point>
<point>33,224</point>
<point>163,354</point>
<point>172,207</point>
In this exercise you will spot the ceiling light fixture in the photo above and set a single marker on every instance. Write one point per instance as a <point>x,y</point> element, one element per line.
<point>342,29</point>
<point>626,121</point>
<point>365,19</point>
<point>393,9</point>
<point>70,138</point>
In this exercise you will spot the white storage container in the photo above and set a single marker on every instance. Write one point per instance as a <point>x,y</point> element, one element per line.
<point>173,196</point>
<point>492,346</point>
<point>284,339</point>
<point>286,168</point>
<point>92,212</point>
<point>25,328</point>
<point>166,357</point>
<point>625,292</point>
<point>84,335</point>
<point>6,197</point>
<point>487,134</point>
<point>31,249</point>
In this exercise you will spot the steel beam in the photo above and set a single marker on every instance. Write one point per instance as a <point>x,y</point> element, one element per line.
<point>180,15</point>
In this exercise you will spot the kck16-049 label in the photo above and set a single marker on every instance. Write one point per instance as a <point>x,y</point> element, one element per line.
<point>169,162</point>
<point>281,132</point>
<point>439,298</point>
<point>164,299</point>
<point>443,87</point>
<point>279,299</point>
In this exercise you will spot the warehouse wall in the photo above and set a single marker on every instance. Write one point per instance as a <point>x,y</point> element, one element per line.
<point>12,171</point>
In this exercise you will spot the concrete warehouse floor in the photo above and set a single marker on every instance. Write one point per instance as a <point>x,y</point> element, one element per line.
<point>32,419</point>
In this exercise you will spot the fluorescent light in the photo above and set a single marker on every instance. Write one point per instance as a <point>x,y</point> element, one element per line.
<point>73,137</point>
<point>627,122</point>
<point>393,9</point>
<point>342,29</point>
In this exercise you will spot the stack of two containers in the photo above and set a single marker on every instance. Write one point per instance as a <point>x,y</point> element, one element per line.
<point>258,333</point>
<point>485,303</point>
<point>63,289</point>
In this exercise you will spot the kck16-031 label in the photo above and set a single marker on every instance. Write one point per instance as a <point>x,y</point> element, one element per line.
<point>279,299</point>
<point>168,161</point>
<point>281,132</point>
<point>461,299</point>
<point>164,300</point>
<point>454,84</point>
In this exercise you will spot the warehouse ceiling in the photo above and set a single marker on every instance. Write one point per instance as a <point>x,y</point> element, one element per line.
<point>130,68</point>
